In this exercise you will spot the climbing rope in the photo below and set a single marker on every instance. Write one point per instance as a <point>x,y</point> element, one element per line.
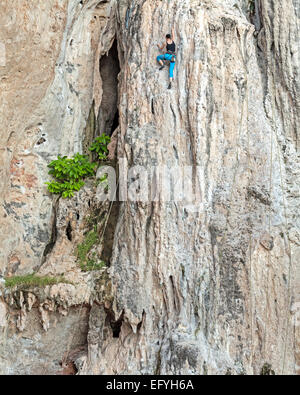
<point>5,337</point>
<point>269,252</point>
<point>269,226</point>
<point>245,62</point>
<point>290,267</point>
<point>250,233</point>
<point>71,338</point>
<point>250,210</point>
<point>234,185</point>
<point>274,129</point>
<point>288,239</point>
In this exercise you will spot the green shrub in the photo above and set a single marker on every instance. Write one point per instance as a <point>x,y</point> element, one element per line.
<point>85,247</point>
<point>69,174</point>
<point>100,146</point>
<point>104,181</point>
<point>103,178</point>
<point>32,280</point>
<point>267,370</point>
<point>87,264</point>
<point>92,265</point>
<point>251,7</point>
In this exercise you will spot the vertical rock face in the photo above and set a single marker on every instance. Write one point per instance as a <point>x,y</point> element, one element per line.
<point>47,89</point>
<point>209,286</point>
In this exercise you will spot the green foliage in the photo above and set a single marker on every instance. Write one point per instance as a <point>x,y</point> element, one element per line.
<point>66,189</point>
<point>104,181</point>
<point>32,280</point>
<point>267,370</point>
<point>251,7</point>
<point>100,146</point>
<point>103,178</point>
<point>69,174</point>
<point>92,265</point>
<point>84,248</point>
<point>73,169</point>
<point>89,264</point>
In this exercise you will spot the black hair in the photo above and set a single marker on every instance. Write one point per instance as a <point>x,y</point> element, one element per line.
<point>168,36</point>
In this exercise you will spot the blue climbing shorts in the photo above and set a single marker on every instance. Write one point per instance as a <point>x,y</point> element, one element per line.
<point>169,57</point>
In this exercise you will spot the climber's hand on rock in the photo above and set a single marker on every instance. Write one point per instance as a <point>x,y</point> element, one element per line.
<point>173,34</point>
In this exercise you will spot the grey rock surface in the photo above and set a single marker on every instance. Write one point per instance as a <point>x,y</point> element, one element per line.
<point>209,286</point>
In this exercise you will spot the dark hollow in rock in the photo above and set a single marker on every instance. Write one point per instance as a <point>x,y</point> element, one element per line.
<point>108,117</point>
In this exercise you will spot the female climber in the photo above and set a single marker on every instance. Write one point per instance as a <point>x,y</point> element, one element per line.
<point>170,55</point>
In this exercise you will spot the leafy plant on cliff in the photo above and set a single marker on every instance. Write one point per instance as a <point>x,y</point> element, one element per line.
<point>32,280</point>
<point>69,174</point>
<point>100,146</point>
<point>87,263</point>
<point>251,7</point>
<point>267,370</point>
<point>92,265</point>
<point>104,181</point>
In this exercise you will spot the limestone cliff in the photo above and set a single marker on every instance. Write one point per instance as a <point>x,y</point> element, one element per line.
<point>208,288</point>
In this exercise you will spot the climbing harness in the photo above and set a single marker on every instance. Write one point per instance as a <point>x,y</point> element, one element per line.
<point>173,59</point>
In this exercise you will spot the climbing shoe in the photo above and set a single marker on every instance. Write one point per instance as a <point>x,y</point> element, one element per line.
<point>161,67</point>
<point>170,86</point>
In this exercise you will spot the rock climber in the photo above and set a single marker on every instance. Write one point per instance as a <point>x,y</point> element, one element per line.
<point>170,55</point>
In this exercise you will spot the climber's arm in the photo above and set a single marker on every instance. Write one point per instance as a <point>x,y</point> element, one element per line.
<point>161,47</point>
<point>173,34</point>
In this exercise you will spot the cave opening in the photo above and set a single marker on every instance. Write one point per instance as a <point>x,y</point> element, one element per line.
<point>109,233</point>
<point>114,324</point>
<point>50,245</point>
<point>108,122</point>
<point>116,328</point>
<point>69,231</point>
<point>115,122</point>
<point>108,116</point>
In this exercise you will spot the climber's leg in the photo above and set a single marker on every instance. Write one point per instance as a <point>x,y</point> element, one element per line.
<point>172,66</point>
<point>160,59</point>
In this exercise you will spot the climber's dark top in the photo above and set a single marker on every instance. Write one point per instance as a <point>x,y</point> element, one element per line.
<point>171,47</point>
